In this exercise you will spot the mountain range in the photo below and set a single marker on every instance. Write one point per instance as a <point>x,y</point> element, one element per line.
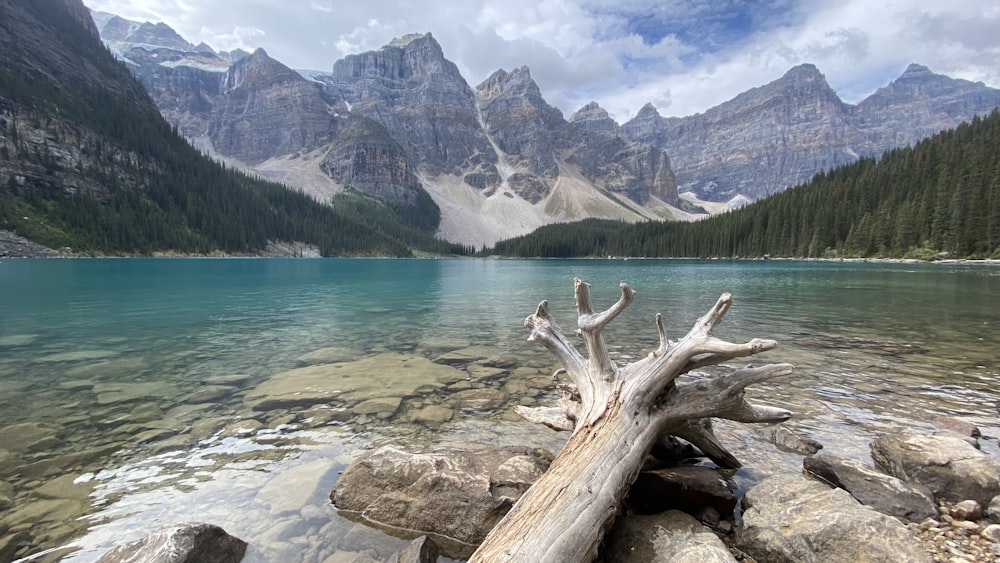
<point>401,123</point>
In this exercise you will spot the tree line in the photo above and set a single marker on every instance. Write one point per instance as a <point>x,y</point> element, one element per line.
<point>938,198</point>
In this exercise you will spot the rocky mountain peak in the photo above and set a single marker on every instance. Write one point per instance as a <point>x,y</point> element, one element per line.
<point>113,28</point>
<point>405,40</point>
<point>116,29</point>
<point>420,98</point>
<point>159,35</point>
<point>647,126</point>
<point>804,71</point>
<point>516,82</point>
<point>204,48</point>
<point>592,117</point>
<point>647,111</point>
<point>257,70</point>
<point>918,84</point>
<point>411,57</point>
<point>519,121</point>
<point>914,70</point>
<point>801,83</point>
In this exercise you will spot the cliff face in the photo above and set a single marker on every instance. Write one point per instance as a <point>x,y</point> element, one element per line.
<point>782,133</point>
<point>265,109</point>
<point>422,101</point>
<point>366,157</point>
<point>758,143</point>
<point>520,125</point>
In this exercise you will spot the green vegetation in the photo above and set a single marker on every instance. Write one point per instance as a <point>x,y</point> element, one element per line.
<point>938,198</point>
<point>144,188</point>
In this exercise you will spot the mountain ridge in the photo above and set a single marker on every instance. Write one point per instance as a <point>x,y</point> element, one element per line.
<point>492,163</point>
<point>454,138</point>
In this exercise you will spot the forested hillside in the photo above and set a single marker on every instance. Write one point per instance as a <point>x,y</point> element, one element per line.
<point>87,162</point>
<point>939,198</point>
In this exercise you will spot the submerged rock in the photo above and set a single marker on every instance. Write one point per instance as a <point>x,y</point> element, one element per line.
<point>789,441</point>
<point>182,543</point>
<point>381,375</point>
<point>110,393</point>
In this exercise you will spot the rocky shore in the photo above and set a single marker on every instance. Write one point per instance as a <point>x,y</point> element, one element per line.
<point>905,508</point>
<point>927,498</point>
<point>14,246</point>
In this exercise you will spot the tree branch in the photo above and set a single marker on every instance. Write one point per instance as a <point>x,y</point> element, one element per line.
<point>545,330</point>
<point>592,326</point>
<point>722,397</point>
<point>700,433</point>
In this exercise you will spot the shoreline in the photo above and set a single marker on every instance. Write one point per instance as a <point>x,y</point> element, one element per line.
<point>16,246</point>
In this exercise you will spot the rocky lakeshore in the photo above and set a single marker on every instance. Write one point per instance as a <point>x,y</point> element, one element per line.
<point>14,246</point>
<point>446,499</point>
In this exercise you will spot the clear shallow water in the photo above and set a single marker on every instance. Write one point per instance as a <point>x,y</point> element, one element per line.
<point>124,383</point>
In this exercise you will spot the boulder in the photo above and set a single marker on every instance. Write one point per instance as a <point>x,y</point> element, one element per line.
<point>789,441</point>
<point>454,493</point>
<point>884,493</point>
<point>993,509</point>
<point>420,550</point>
<point>967,510</point>
<point>961,427</point>
<point>182,543</point>
<point>689,488</point>
<point>672,536</point>
<point>949,466</point>
<point>787,518</point>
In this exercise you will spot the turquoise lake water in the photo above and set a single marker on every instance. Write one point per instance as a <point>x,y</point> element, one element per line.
<point>126,385</point>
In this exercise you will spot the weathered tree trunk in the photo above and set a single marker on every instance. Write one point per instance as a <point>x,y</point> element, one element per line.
<point>617,415</point>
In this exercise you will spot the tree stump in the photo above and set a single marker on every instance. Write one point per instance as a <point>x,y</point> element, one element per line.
<point>617,415</point>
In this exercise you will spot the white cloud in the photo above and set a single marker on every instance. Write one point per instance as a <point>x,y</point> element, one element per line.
<point>684,56</point>
<point>246,38</point>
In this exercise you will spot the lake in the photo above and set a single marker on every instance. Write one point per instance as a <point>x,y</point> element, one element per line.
<point>136,393</point>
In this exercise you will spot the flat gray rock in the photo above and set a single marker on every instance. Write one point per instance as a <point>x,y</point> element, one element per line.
<point>452,493</point>
<point>951,468</point>
<point>885,493</point>
<point>668,537</point>
<point>789,519</point>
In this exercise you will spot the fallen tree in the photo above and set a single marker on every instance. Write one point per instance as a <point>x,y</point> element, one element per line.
<point>617,415</point>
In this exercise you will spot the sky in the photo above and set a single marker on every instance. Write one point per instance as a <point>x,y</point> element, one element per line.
<point>683,56</point>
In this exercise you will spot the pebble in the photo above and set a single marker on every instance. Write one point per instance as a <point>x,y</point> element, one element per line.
<point>967,510</point>
<point>958,541</point>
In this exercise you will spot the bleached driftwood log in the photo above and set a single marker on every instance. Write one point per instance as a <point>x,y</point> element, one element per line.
<point>617,415</point>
